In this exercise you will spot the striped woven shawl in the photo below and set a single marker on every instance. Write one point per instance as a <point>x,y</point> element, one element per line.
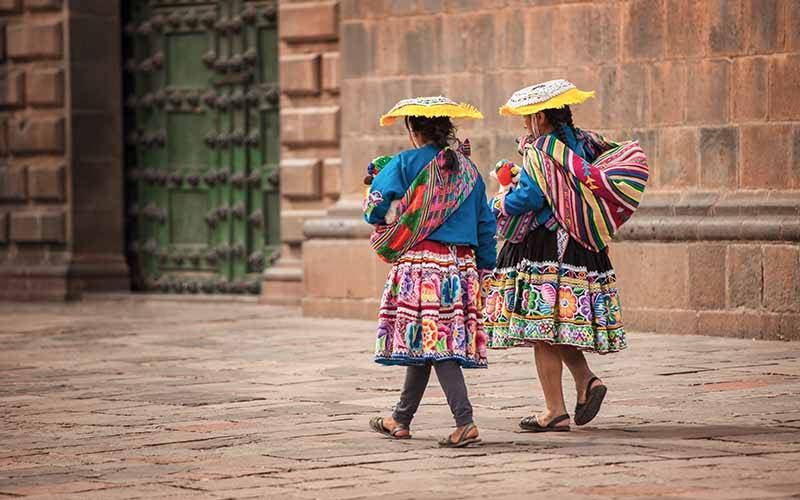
<point>590,200</point>
<point>433,196</point>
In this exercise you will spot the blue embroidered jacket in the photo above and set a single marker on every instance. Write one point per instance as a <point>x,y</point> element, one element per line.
<point>471,224</point>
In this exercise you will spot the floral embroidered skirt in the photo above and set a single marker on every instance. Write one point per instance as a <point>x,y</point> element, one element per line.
<point>431,309</point>
<point>530,297</point>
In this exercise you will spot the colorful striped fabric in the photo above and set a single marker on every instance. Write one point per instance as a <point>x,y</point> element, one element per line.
<point>515,228</point>
<point>590,200</point>
<point>432,197</point>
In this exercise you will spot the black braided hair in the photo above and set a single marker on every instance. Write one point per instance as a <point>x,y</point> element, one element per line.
<point>438,131</point>
<point>559,117</point>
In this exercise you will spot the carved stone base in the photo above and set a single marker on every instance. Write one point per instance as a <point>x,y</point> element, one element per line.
<point>366,309</point>
<point>36,282</point>
<point>61,282</point>
<point>100,273</point>
<point>735,323</point>
<point>747,289</point>
<point>283,283</point>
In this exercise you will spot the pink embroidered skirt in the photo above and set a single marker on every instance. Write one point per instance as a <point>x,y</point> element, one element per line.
<point>431,309</point>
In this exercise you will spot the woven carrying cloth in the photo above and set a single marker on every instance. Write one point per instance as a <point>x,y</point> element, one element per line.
<point>433,196</point>
<point>515,228</point>
<point>546,95</point>
<point>430,107</point>
<point>590,200</point>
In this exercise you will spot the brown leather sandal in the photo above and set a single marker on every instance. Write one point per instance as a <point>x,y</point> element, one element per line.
<point>585,412</point>
<point>532,424</point>
<point>376,424</point>
<point>462,440</point>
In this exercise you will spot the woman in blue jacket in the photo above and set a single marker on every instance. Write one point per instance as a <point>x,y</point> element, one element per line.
<point>431,311</point>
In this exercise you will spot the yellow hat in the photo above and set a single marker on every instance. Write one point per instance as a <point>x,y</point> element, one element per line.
<point>430,107</point>
<point>547,95</point>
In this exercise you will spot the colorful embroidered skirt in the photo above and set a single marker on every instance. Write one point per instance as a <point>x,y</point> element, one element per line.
<point>431,309</point>
<point>531,298</point>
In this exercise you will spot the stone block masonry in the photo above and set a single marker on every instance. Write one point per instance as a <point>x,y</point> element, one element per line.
<point>42,194</point>
<point>33,207</point>
<point>709,87</point>
<point>45,87</point>
<point>37,227</point>
<point>309,21</point>
<point>27,41</point>
<point>36,135</point>
<point>300,74</point>
<point>310,126</point>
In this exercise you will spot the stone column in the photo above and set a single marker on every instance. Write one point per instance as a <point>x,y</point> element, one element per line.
<point>96,148</point>
<point>310,165</point>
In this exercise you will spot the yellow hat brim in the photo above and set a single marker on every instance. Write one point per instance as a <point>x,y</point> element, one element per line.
<point>568,98</point>
<point>462,110</point>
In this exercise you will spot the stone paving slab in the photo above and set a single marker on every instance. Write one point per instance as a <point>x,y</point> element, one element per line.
<point>162,399</point>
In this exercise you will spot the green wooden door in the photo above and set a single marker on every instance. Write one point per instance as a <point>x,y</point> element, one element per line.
<point>202,143</point>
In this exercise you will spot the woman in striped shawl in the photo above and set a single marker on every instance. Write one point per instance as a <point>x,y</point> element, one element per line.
<point>554,287</point>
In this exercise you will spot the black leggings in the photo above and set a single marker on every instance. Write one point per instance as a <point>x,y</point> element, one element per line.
<point>451,378</point>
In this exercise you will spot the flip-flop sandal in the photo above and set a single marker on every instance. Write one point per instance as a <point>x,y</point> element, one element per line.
<point>376,424</point>
<point>462,440</point>
<point>585,412</point>
<point>532,424</point>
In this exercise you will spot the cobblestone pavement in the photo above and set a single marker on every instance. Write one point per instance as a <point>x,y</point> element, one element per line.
<point>132,398</point>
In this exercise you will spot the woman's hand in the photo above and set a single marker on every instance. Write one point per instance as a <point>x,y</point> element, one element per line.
<point>391,214</point>
<point>522,142</point>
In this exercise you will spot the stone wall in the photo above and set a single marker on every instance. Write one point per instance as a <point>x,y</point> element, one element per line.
<point>310,117</point>
<point>710,87</point>
<point>60,144</point>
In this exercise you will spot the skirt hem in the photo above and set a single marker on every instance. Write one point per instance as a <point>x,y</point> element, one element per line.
<point>411,361</point>
<point>582,348</point>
